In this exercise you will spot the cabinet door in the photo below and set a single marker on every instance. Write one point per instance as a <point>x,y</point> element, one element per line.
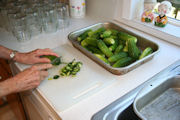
<point>31,111</point>
<point>36,108</point>
<point>12,99</point>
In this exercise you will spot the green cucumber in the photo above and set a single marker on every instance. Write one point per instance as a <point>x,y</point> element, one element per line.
<point>94,50</point>
<point>91,41</point>
<point>125,37</point>
<point>114,32</point>
<point>114,46</point>
<point>122,42</point>
<point>88,49</point>
<point>125,49</point>
<point>114,37</point>
<point>84,35</point>
<point>50,57</point>
<point>54,59</point>
<point>97,32</point>
<point>146,52</point>
<point>100,30</point>
<point>119,49</point>
<point>122,62</point>
<point>133,50</point>
<point>102,46</point>
<point>118,56</point>
<point>84,43</point>
<point>102,58</point>
<point>90,33</point>
<point>106,33</point>
<point>109,41</point>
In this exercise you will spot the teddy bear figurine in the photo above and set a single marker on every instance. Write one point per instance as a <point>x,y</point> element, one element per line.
<point>148,15</point>
<point>163,9</point>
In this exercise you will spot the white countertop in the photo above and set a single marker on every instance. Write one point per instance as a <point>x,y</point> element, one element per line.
<point>85,109</point>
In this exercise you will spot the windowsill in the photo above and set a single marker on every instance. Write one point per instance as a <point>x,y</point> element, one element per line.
<point>168,29</point>
<point>170,32</point>
<point>174,22</point>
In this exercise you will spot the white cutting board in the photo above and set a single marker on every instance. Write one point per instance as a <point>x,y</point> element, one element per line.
<point>67,91</point>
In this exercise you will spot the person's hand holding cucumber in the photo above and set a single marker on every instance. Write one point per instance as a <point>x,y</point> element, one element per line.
<point>31,77</point>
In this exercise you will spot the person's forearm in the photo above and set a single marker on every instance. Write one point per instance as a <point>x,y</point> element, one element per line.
<point>5,54</point>
<point>6,87</point>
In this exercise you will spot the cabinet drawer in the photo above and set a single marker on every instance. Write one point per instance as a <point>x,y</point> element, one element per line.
<point>40,106</point>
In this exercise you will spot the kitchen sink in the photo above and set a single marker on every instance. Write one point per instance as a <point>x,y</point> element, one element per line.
<point>122,108</point>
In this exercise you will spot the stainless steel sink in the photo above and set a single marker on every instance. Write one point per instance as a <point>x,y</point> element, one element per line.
<point>122,108</point>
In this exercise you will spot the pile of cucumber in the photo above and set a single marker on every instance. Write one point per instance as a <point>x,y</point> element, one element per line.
<point>115,48</point>
<point>70,69</point>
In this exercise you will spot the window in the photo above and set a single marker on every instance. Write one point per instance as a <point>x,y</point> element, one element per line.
<point>129,12</point>
<point>175,11</point>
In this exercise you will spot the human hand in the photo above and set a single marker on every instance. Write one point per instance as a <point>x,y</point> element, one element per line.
<point>34,56</point>
<point>30,78</point>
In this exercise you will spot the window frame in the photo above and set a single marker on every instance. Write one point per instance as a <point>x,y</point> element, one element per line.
<point>170,33</point>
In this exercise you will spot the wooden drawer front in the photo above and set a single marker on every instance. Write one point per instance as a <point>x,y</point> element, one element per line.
<point>40,107</point>
<point>30,110</point>
<point>14,69</point>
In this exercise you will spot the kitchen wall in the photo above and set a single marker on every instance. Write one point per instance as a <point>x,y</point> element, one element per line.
<point>115,9</point>
<point>101,8</point>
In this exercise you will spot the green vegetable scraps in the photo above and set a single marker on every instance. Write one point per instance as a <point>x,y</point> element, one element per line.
<point>70,69</point>
<point>50,78</point>
<point>56,77</point>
